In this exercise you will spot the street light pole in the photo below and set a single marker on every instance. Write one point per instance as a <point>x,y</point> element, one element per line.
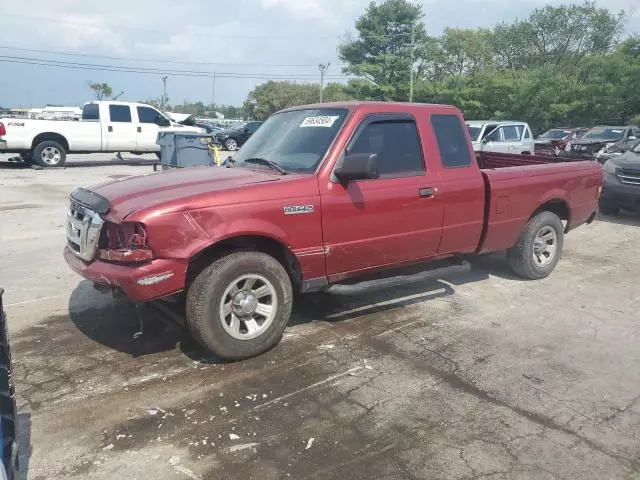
<point>164,92</point>
<point>323,70</point>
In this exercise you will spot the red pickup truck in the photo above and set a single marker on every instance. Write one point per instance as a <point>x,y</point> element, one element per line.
<point>331,197</point>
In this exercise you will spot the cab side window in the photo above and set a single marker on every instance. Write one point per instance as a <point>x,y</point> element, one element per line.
<point>148,115</point>
<point>395,143</point>
<point>452,142</point>
<point>120,113</point>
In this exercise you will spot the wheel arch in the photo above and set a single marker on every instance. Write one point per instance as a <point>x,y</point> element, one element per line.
<point>50,137</point>
<point>248,242</point>
<point>559,206</point>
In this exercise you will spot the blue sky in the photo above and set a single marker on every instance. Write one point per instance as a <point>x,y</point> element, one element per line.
<point>258,38</point>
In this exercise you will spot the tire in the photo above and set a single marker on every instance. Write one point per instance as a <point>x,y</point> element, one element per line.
<point>537,259</point>
<point>49,154</point>
<point>212,294</point>
<point>231,144</point>
<point>607,207</point>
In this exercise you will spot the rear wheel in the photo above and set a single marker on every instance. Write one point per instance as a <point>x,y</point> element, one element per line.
<point>539,247</point>
<point>239,306</point>
<point>49,154</point>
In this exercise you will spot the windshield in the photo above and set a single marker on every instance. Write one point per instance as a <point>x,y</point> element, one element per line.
<point>605,133</point>
<point>555,134</point>
<point>474,132</point>
<point>296,140</point>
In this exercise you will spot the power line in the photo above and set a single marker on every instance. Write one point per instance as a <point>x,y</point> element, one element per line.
<point>183,73</point>
<point>155,60</point>
<point>198,34</point>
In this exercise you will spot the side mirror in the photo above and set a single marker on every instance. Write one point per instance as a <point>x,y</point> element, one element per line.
<point>632,137</point>
<point>485,140</point>
<point>357,166</point>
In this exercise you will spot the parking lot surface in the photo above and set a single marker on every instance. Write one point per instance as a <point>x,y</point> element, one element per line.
<point>484,376</point>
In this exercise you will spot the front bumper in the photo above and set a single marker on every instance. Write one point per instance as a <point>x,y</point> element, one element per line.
<point>577,155</point>
<point>140,283</point>
<point>619,194</point>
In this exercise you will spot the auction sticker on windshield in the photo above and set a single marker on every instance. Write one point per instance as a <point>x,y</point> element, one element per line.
<point>322,121</point>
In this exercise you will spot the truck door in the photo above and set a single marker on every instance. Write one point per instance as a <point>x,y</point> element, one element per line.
<point>513,141</point>
<point>149,121</point>
<point>494,142</point>
<point>119,131</point>
<point>392,219</point>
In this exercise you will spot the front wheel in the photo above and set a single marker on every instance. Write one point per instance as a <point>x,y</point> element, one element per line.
<point>539,247</point>
<point>606,207</point>
<point>49,154</point>
<point>239,306</point>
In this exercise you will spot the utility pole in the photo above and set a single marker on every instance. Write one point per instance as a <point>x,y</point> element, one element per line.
<point>164,92</point>
<point>413,48</point>
<point>323,70</point>
<point>213,92</point>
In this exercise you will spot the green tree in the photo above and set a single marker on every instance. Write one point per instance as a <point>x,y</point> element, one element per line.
<point>102,91</point>
<point>271,96</point>
<point>382,51</point>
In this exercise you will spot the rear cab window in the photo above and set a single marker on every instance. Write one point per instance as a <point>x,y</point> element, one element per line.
<point>452,142</point>
<point>120,113</point>
<point>91,112</point>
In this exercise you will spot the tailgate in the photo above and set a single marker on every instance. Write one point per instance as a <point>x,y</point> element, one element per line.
<point>514,194</point>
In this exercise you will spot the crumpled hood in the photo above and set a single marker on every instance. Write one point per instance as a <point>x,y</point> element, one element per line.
<point>592,141</point>
<point>131,194</point>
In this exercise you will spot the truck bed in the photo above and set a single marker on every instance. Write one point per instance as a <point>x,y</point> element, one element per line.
<point>517,185</point>
<point>493,160</point>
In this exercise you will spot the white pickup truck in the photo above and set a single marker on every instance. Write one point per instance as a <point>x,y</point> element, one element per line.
<point>501,136</point>
<point>105,127</point>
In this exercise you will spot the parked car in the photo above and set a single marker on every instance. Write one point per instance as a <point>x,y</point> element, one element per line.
<point>504,136</point>
<point>553,142</point>
<point>600,140</point>
<point>233,138</point>
<point>621,189</point>
<point>320,198</point>
<point>209,127</point>
<point>105,127</point>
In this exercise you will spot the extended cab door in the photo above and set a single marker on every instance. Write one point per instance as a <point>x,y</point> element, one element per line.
<point>392,219</point>
<point>150,121</point>
<point>118,129</point>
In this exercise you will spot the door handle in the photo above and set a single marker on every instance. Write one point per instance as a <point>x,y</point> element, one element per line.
<point>426,192</point>
<point>110,128</point>
<point>139,129</point>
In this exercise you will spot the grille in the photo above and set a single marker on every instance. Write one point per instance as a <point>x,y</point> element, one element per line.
<point>628,176</point>
<point>83,231</point>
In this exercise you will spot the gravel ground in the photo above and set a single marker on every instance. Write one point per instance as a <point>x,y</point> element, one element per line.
<point>486,376</point>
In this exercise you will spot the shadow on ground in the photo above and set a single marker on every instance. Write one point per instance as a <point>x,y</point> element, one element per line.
<point>622,218</point>
<point>115,323</point>
<point>24,445</point>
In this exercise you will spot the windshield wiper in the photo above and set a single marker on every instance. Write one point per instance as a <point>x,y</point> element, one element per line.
<point>268,163</point>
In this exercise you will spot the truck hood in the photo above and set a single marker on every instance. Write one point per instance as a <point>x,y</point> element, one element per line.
<point>174,188</point>
<point>628,159</point>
